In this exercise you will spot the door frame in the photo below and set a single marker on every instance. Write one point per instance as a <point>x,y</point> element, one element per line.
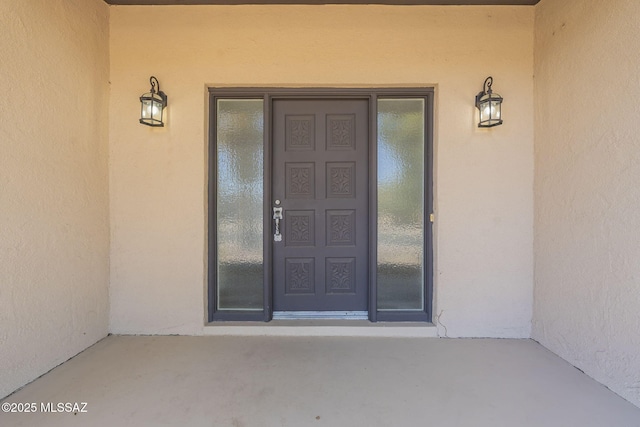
<point>269,95</point>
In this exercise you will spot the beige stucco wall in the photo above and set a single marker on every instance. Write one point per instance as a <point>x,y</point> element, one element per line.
<point>484,178</point>
<point>54,233</point>
<point>587,197</point>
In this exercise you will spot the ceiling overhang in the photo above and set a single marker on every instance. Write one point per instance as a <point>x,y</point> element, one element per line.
<point>318,2</point>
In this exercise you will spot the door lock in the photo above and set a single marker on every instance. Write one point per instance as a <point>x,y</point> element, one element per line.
<point>277,216</point>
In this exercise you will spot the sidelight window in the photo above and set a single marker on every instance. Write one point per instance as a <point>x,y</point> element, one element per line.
<point>401,204</point>
<point>239,204</point>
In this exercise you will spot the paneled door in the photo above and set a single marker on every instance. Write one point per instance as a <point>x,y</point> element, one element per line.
<point>320,204</point>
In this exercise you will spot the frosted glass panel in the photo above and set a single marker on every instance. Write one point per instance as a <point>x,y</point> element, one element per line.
<point>401,204</point>
<point>240,127</point>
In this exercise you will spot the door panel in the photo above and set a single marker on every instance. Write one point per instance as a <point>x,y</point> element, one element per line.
<point>320,175</point>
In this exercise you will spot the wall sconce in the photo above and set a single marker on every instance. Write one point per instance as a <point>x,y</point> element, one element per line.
<point>490,106</point>
<point>153,104</point>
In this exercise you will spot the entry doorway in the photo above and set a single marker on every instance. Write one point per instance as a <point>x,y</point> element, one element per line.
<point>320,204</point>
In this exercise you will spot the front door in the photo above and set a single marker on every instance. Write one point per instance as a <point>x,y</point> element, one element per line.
<point>320,188</point>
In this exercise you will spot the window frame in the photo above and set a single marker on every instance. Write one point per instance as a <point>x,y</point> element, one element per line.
<point>268,95</point>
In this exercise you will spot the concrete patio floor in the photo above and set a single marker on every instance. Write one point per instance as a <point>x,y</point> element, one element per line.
<point>320,381</point>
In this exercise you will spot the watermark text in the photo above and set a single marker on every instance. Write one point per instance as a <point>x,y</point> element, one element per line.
<point>47,407</point>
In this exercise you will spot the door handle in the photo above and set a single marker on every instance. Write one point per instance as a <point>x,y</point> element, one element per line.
<point>277,216</point>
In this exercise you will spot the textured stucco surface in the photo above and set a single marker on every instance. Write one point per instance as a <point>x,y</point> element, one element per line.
<point>54,234</point>
<point>587,197</point>
<point>484,178</point>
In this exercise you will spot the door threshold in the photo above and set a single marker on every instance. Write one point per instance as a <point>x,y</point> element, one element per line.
<point>323,328</point>
<point>344,315</point>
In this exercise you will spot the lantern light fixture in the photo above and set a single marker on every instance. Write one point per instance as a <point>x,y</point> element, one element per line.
<point>490,106</point>
<point>152,105</point>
